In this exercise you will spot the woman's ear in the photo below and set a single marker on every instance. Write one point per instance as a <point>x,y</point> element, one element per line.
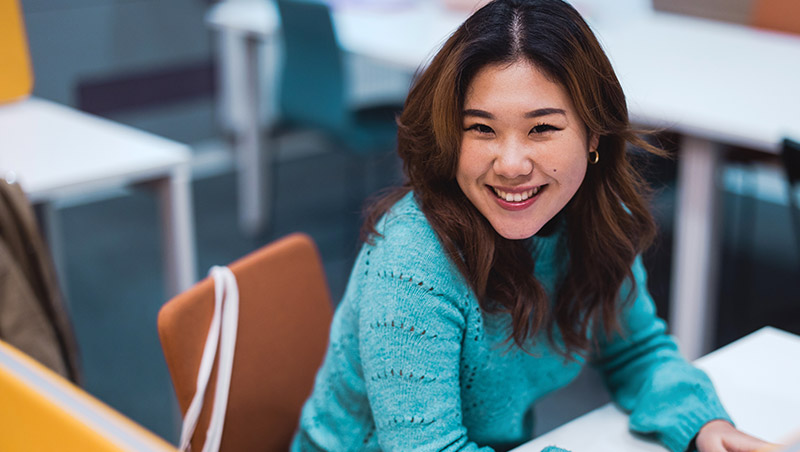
<point>594,141</point>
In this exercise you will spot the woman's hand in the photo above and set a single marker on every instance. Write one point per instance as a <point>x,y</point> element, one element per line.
<point>721,436</point>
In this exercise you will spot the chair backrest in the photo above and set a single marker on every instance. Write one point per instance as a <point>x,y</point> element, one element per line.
<point>16,77</point>
<point>284,319</point>
<point>312,81</point>
<point>781,15</point>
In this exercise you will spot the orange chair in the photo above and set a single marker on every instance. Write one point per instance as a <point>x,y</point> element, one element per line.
<point>16,76</point>
<point>284,318</point>
<point>781,15</point>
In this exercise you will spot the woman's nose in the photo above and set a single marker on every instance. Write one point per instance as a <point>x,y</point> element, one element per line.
<point>513,161</point>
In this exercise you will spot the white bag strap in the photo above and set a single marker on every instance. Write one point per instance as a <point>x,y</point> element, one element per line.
<point>224,323</point>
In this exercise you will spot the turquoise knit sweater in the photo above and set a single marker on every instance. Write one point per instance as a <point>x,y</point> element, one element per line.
<point>414,364</point>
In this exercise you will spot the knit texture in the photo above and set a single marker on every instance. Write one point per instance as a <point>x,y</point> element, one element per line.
<point>415,365</point>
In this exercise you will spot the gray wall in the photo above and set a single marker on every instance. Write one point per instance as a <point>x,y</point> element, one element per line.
<point>99,41</point>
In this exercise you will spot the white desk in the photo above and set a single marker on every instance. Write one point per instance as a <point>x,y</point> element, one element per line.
<point>714,83</point>
<point>54,151</point>
<point>757,379</point>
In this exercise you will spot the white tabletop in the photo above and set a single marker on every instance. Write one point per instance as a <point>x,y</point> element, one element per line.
<point>404,35</point>
<point>757,379</point>
<point>407,37</point>
<point>56,151</point>
<point>723,82</point>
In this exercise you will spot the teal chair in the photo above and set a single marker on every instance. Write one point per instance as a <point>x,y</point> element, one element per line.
<point>313,92</point>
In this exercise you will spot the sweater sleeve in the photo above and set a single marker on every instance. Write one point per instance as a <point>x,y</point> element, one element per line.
<point>647,376</point>
<point>410,336</point>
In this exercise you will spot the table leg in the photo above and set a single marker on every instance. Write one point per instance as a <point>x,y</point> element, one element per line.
<point>255,191</point>
<point>695,250</point>
<point>177,228</point>
<point>240,107</point>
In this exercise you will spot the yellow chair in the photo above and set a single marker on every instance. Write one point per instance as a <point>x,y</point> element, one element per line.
<point>40,410</point>
<point>16,74</point>
<point>284,318</point>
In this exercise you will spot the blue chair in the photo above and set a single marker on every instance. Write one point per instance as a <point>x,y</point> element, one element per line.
<point>313,91</point>
<point>313,86</point>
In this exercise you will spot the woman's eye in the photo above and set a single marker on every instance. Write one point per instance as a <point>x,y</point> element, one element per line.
<point>480,128</point>
<point>542,128</point>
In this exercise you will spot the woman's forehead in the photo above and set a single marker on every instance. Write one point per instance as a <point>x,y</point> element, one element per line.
<point>518,83</point>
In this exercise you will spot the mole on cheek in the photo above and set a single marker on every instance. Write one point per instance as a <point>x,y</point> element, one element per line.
<point>555,170</point>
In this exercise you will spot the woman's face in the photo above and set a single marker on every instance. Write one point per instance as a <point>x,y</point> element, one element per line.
<point>524,151</point>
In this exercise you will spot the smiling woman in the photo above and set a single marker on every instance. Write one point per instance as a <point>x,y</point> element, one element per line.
<point>508,260</point>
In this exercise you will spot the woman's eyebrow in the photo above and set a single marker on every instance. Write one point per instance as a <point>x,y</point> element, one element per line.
<point>545,112</point>
<point>478,113</point>
<point>531,114</point>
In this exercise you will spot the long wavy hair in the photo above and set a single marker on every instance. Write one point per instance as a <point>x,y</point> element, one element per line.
<point>607,222</point>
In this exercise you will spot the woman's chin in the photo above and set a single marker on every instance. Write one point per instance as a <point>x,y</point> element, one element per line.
<point>516,233</point>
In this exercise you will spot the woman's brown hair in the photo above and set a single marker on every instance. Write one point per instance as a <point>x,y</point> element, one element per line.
<point>607,222</point>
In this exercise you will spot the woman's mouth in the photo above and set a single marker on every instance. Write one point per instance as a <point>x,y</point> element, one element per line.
<point>517,200</point>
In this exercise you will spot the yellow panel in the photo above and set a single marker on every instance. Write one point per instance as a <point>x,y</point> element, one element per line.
<point>32,421</point>
<point>33,424</point>
<point>16,75</point>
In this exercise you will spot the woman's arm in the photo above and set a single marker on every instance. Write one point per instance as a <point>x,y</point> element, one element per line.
<point>642,367</point>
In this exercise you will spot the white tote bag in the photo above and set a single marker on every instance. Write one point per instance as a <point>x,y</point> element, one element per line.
<point>222,332</point>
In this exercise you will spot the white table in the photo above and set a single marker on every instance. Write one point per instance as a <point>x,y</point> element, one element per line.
<point>757,379</point>
<point>55,152</point>
<point>714,83</point>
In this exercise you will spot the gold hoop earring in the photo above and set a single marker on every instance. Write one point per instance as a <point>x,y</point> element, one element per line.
<point>594,157</point>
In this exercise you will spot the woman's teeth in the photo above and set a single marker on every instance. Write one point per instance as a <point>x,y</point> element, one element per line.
<point>516,197</point>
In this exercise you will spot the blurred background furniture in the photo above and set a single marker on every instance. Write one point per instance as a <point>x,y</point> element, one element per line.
<point>16,78</point>
<point>56,152</point>
<point>774,15</point>
<point>284,318</point>
<point>761,397</point>
<point>272,78</point>
<point>777,15</point>
<point>314,96</point>
<point>43,411</point>
<point>246,36</point>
